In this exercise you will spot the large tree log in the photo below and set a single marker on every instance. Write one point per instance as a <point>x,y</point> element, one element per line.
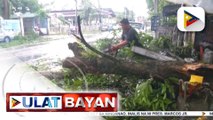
<point>102,65</point>
<point>157,69</point>
<point>107,64</point>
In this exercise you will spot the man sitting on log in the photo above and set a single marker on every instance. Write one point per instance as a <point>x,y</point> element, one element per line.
<point>129,36</point>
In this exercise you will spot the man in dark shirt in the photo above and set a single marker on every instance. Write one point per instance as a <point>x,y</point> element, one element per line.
<point>129,36</point>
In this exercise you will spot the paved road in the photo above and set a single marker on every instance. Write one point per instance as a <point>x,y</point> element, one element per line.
<point>52,50</point>
<point>17,76</point>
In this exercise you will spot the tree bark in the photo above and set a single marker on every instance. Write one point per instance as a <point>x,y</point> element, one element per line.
<point>6,9</point>
<point>157,69</point>
<point>104,63</point>
<point>98,64</point>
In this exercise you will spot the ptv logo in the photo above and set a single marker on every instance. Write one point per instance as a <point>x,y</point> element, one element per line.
<point>15,102</point>
<point>191,19</point>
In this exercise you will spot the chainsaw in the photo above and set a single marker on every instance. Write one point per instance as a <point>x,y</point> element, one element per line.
<point>109,51</point>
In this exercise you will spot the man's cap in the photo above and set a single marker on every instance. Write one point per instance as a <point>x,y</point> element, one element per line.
<point>124,21</point>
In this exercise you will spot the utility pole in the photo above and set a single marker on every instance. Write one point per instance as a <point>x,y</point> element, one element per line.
<point>6,9</point>
<point>126,12</point>
<point>22,24</point>
<point>20,14</point>
<point>100,19</point>
<point>76,17</point>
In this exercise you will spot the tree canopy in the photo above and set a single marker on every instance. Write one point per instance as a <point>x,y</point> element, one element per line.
<point>25,5</point>
<point>20,6</point>
<point>1,6</point>
<point>88,10</point>
<point>161,4</point>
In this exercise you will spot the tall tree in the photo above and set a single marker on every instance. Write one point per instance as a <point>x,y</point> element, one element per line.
<point>131,15</point>
<point>88,11</point>
<point>161,4</point>
<point>1,7</point>
<point>26,5</point>
<point>126,12</point>
<point>5,9</point>
<point>10,6</point>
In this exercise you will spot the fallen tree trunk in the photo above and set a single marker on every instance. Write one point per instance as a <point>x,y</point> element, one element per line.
<point>103,63</point>
<point>156,69</point>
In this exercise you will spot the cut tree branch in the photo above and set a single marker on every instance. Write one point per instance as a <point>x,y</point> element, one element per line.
<point>90,47</point>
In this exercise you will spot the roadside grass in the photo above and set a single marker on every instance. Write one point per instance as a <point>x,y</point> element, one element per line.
<point>29,39</point>
<point>20,40</point>
<point>32,39</point>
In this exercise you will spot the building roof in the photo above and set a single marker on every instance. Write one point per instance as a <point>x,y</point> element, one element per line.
<point>107,11</point>
<point>71,13</point>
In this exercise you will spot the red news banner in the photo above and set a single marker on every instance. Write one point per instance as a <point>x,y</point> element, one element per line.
<point>62,102</point>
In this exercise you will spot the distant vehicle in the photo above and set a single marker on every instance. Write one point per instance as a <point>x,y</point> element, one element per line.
<point>6,36</point>
<point>138,26</point>
<point>110,27</point>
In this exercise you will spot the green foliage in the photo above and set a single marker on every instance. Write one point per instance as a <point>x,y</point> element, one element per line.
<point>167,21</point>
<point>116,34</point>
<point>30,38</point>
<point>32,5</point>
<point>1,6</point>
<point>72,79</point>
<point>89,55</point>
<point>104,43</point>
<point>183,52</point>
<point>88,12</point>
<point>161,43</point>
<point>41,13</point>
<point>125,53</point>
<point>150,5</point>
<point>136,94</point>
<point>13,43</point>
<point>161,4</point>
<point>19,37</point>
<point>164,43</point>
<point>152,95</point>
<point>23,6</point>
<point>170,21</point>
<point>145,39</point>
<point>31,35</point>
<point>154,44</point>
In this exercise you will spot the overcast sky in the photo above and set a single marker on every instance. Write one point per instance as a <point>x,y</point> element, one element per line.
<point>138,6</point>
